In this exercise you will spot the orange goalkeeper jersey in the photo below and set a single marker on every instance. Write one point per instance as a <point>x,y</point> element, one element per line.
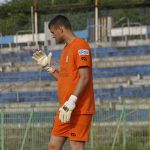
<point>75,55</point>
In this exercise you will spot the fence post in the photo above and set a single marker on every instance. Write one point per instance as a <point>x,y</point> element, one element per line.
<point>26,131</point>
<point>117,130</point>
<point>124,126</point>
<point>149,126</point>
<point>123,119</point>
<point>33,137</point>
<point>92,137</point>
<point>2,128</point>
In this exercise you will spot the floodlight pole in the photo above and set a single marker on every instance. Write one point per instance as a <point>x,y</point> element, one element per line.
<point>32,22</point>
<point>36,21</point>
<point>96,19</point>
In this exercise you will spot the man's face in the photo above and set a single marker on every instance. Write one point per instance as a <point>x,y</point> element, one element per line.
<point>57,33</point>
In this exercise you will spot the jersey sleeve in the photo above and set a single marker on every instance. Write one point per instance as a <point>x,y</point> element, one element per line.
<point>83,55</point>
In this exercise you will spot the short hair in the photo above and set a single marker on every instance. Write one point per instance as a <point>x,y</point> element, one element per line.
<point>60,20</point>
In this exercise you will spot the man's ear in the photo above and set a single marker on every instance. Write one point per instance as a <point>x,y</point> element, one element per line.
<point>61,29</point>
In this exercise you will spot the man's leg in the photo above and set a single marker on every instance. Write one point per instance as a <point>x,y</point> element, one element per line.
<point>79,131</point>
<point>76,145</point>
<point>56,143</point>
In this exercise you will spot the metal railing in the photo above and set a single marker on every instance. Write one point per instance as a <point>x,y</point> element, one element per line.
<point>0,40</point>
<point>117,126</point>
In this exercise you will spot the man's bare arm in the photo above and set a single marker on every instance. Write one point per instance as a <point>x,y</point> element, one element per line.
<point>54,74</point>
<point>83,81</point>
<point>66,110</point>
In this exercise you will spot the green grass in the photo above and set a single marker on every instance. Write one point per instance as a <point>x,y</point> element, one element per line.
<point>128,147</point>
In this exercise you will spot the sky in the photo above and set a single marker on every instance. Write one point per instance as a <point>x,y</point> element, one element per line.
<point>2,1</point>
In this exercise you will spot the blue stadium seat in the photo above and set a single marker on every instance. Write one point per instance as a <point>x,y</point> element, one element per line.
<point>25,55</point>
<point>109,94</point>
<point>97,73</point>
<point>109,72</point>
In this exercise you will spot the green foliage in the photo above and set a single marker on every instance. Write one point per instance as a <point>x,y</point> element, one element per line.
<point>14,23</point>
<point>122,1</point>
<point>16,14</point>
<point>6,27</point>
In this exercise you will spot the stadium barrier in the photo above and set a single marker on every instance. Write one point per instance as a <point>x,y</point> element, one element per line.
<point>116,126</point>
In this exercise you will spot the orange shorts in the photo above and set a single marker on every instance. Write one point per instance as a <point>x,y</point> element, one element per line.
<point>78,129</point>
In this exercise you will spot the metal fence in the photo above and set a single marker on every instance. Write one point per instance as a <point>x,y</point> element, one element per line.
<point>116,126</point>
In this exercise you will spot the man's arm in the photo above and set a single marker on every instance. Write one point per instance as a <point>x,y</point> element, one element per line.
<point>83,80</point>
<point>69,105</point>
<point>54,72</point>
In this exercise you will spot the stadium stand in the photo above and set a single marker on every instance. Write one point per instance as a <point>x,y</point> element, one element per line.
<point>117,72</point>
<point>121,75</point>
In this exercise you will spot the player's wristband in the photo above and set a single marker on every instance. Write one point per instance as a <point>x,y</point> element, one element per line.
<point>51,69</point>
<point>73,98</point>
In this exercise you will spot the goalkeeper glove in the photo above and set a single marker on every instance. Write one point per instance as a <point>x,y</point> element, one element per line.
<point>66,110</point>
<point>43,60</point>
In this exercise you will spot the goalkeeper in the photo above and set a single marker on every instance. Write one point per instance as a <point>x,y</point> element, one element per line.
<point>75,87</point>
